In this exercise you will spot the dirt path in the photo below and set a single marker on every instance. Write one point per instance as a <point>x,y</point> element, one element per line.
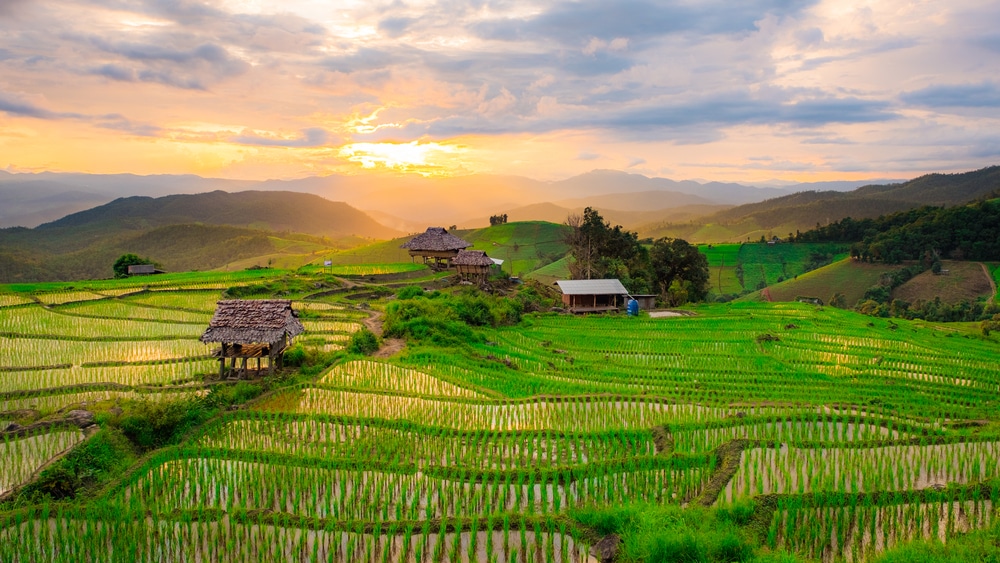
<point>993,284</point>
<point>390,346</point>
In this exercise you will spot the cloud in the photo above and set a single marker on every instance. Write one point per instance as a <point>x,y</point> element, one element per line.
<point>191,68</point>
<point>587,156</point>
<point>982,95</point>
<point>311,137</point>
<point>394,27</point>
<point>575,23</point>
<point>15,105</point>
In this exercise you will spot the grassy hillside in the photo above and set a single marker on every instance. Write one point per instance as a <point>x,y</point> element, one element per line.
<point>963,281</point>
<point>273,211</point>
<point>550,273</point>
<point>185,232</point>
<point>804,210</point>
<point>175,247</point>
<point>844,276</point>
<point>523,246</point>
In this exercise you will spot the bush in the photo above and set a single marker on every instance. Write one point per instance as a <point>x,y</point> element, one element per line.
<point>151,425</point>
<point>410,291</point>
<point>295,356</point>
<point>92,462</point>
<point>364,342</point>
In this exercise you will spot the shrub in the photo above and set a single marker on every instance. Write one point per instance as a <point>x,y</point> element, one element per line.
<point>410,291</point>
<point>364,342</point>
<point>151,425</point>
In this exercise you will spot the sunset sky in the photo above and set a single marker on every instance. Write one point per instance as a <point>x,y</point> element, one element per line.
<point>723,90</point>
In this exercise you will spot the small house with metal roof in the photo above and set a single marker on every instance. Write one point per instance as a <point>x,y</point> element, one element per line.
<point>593,296</point>
<point>250,329</point>
<point>436,246</point>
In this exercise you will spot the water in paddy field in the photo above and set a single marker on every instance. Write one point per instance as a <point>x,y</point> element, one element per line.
<point>170,541</point>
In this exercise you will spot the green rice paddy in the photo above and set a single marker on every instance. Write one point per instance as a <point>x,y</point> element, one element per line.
<point>846,435</point>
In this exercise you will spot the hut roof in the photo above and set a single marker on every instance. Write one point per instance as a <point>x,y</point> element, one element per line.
<point>472,258</point>
<point>252,321</point>
<point>592,287</point>
<point>435,239</point>
<point>143,269</point>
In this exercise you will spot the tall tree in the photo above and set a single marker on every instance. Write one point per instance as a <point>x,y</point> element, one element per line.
<point>675,261</point>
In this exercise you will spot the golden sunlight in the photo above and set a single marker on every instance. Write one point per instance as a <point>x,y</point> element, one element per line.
<point>426,159</point>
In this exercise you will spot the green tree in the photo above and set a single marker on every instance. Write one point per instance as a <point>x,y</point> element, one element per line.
<point>680,271</point>
<point>126,260</point>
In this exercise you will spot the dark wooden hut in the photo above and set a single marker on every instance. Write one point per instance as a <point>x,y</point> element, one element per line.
<point>249,329</point>
<point>473,264</point>
<point>435,246</point>
<point>143,270</point>
<point>593,296</point>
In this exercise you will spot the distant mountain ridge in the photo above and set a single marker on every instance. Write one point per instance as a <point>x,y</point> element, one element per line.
<point>183,232</point>
<point>274,211</point>
<point>804,210</point>
<point>33,199</point>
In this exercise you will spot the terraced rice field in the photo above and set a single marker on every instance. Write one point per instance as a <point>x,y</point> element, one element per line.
<point>850,435</point>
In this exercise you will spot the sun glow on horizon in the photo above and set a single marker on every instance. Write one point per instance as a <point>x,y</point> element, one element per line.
<point>424,158</point>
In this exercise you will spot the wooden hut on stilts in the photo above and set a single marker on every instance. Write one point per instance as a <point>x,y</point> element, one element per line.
<point>473,265</point>
<point>249,329</point>
<point>436,246</point>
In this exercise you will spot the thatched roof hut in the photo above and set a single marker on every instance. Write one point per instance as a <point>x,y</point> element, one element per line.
<point>473,263</point>
<point>435,244</point>
<point>252,328</point>
<point>252,321</point>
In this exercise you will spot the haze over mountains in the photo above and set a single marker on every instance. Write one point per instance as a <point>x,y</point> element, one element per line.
<point>398,202</point>
<point>221,229</point>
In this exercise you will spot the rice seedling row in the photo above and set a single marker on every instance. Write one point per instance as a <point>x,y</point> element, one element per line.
<point>385,495</point>
<point>23,456</point>
<point>29,352</point>
<point>170,373</point>
<point>786,469</point>
<point>48,322</point>
<point>62,536</point>
<point>367,374</point>
<point>393,440</point>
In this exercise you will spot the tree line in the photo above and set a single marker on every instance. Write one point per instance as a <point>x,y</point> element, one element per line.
<point>967,232</point>
<point>673,269</point>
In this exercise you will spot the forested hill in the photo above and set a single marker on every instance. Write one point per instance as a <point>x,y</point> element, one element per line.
<point>806,209</point>
<point>269,210</point>
<point>182,232</point>
<point>962,232</point>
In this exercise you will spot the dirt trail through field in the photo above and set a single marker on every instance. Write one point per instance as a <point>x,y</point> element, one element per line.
<point>389,345</point>
<point>993,284</point>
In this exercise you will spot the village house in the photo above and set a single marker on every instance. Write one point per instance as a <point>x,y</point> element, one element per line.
<point>143,270</point>
<point>593,296</point>
<point>251,329</point>
<point>436,247</point>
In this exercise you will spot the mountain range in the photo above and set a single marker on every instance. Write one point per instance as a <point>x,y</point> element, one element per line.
<point>29,200</point>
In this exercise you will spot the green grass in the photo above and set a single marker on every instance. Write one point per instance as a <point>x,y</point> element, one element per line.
<point>524,246</point>
<point>561,428</point>
<point>770,264</point>
<point>174,280</point>
<point>720,254</point>
<point>845,276</point>
<point>550,273</point>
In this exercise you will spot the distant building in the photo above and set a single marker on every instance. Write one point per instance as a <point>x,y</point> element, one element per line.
<point>250,329</point>
<point>646,302</point>
<point>473,264</point>
<point>436,247</point>
<point>143,270</point>
<point>593,296</point>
